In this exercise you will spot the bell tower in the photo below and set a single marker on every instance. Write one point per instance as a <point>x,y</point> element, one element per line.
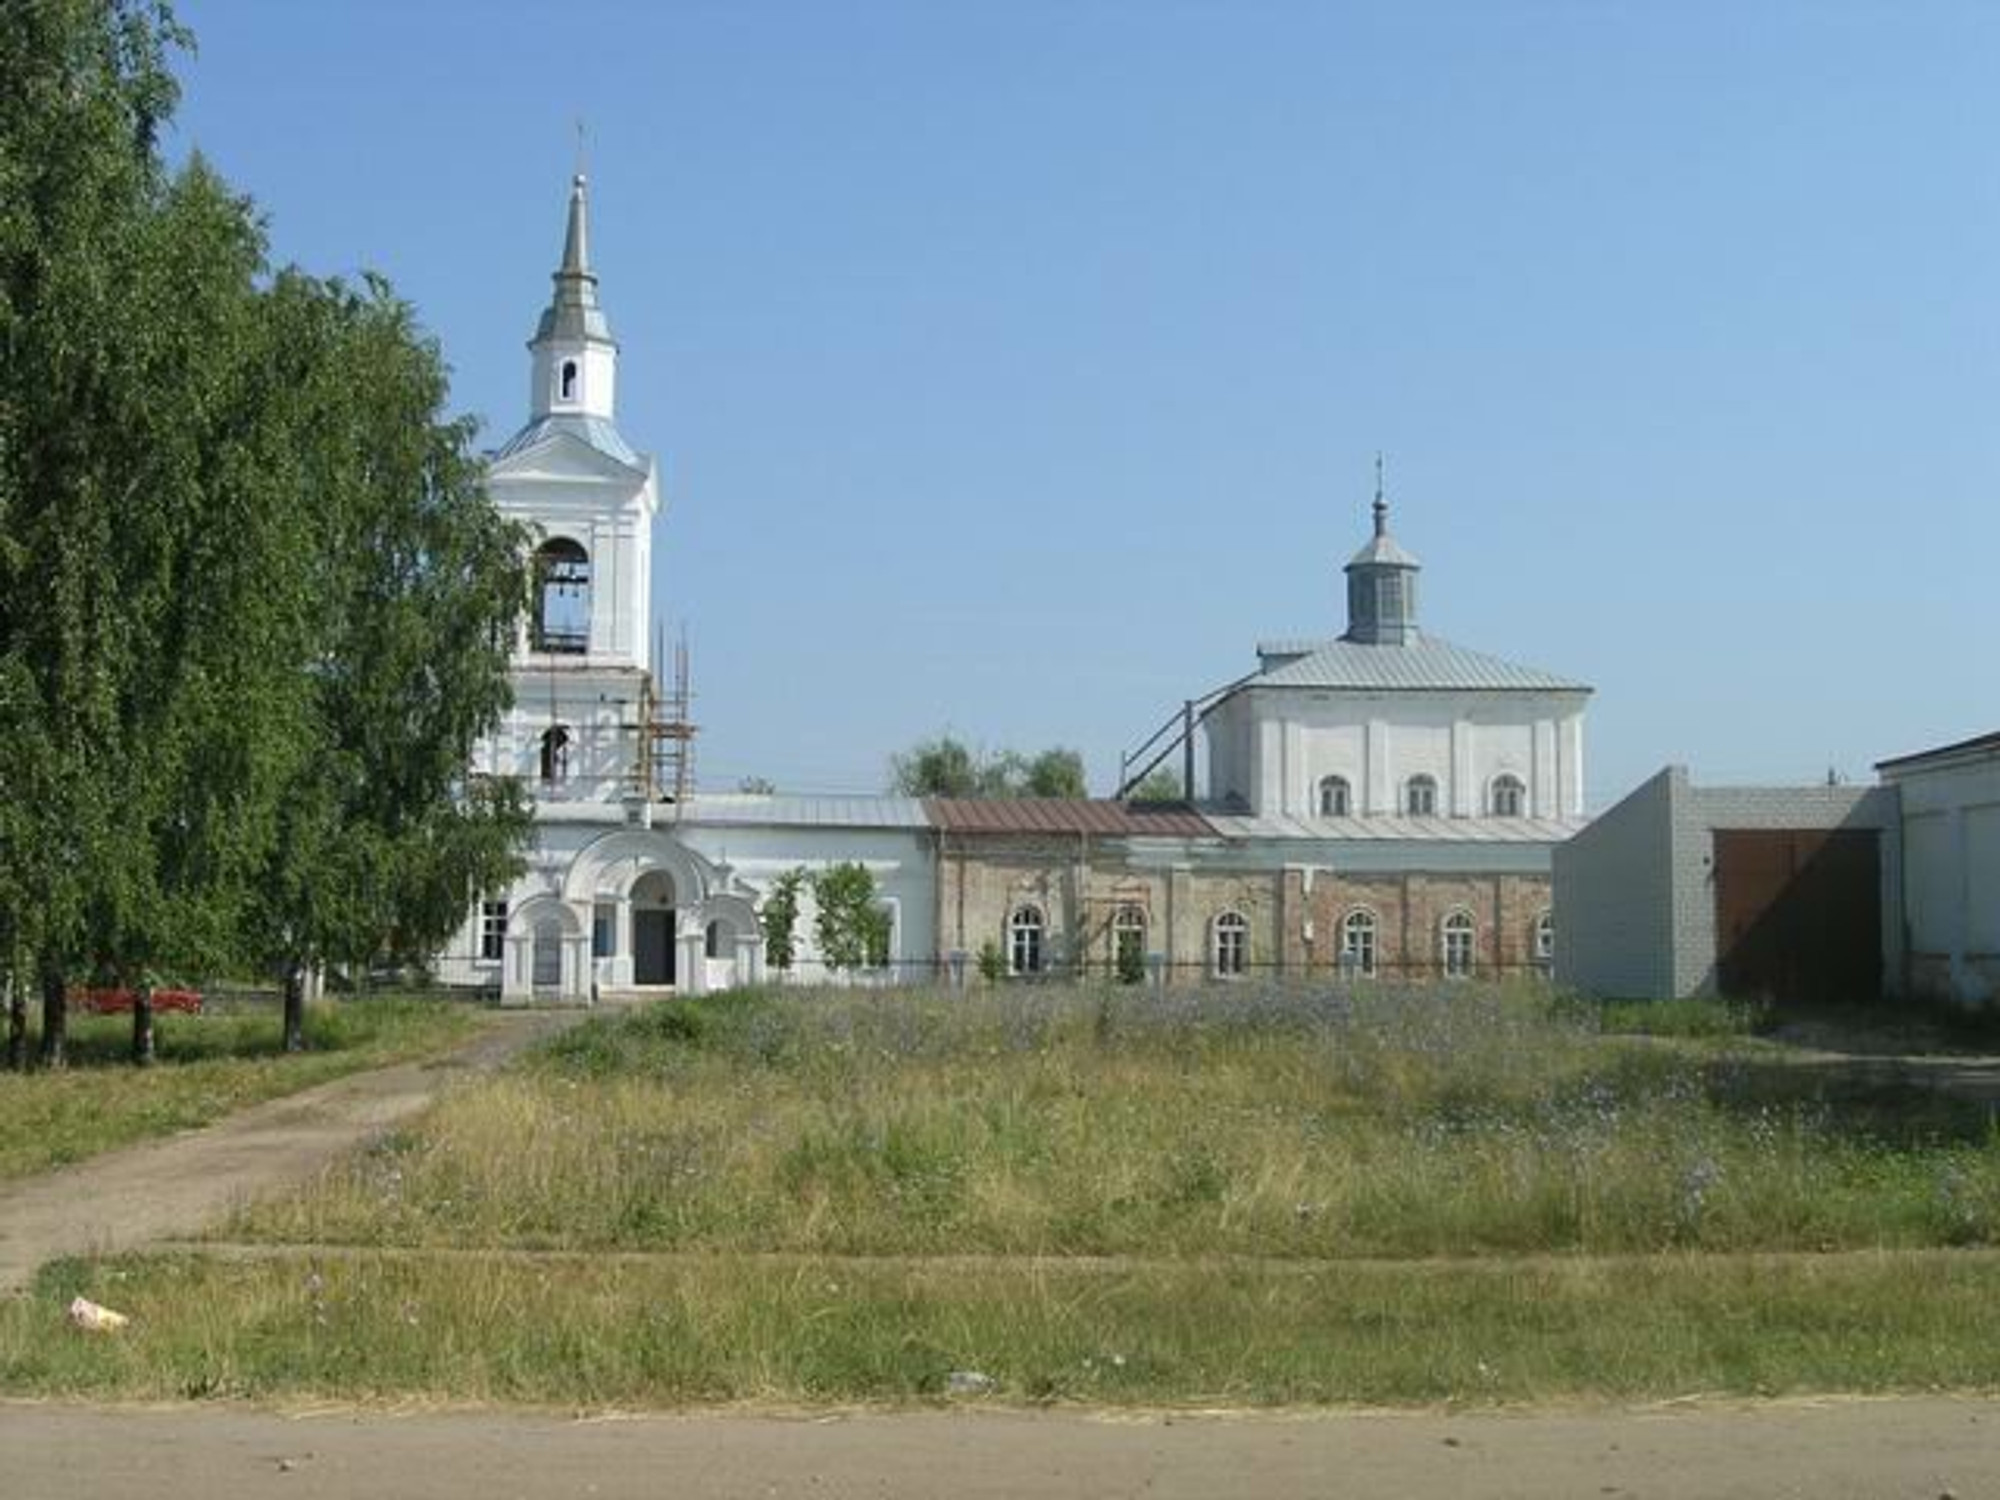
<point>588,497</point>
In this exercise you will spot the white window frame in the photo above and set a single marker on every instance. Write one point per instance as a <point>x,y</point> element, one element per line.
<point>492,930</point>
<point>1129,921</point>
<point>1027,933</point>
<point>1428,785</point>
<point>1338,791</point>
<point>1507,786</point>
<point>1360,923</point>
<point>1458,944</point>
<point>1229,945</point>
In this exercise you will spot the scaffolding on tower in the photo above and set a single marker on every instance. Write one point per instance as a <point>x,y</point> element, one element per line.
<point>666,732</point>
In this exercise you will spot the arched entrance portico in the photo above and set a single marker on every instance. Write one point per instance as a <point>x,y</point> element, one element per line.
<point>652,907</point>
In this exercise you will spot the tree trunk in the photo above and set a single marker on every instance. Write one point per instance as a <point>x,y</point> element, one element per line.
<point>142,1024</point>
<point>17,1024</point>
<point>55,1018</point>
<point>295,1006</point>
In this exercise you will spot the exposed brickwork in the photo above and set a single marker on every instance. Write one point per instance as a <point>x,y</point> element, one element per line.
<point>1294,913</point>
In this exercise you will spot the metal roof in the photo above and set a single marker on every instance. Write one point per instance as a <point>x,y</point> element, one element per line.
<point>1067,815</point>
<point>1396,829</point>
<point>573,314</point>
<point>1972,749</point>
<point>1383,551</point>
<point>752,810</point>
<point>1426,662</point>
<point>595,432</point>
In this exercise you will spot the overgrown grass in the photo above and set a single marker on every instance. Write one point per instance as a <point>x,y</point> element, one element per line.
<point>583,1332</point>
<point>1229,1121</point>
<point>208,1066</point>
<point>1689,1016</point>
<point>1225,1195</point>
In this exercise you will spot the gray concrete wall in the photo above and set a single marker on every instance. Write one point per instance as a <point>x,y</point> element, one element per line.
<point>1614,897</point>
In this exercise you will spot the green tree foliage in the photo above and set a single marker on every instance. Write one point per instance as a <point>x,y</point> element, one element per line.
<point>1055,773</point>
<point>851,926</point>
<point>1160,785</point>
<point>382,840</point>
<point>779,917</point>
<point>947,767</point>
<point>254,609</point>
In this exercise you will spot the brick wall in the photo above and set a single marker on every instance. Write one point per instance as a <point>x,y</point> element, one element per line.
<point>1294,912</point>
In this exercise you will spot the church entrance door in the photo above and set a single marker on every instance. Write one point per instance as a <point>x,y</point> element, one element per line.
<point>653,946</point>
<point>653,926</point>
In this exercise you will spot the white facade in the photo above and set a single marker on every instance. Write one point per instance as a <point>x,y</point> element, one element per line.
<point>1273,751</point>
<point>1950,811</point>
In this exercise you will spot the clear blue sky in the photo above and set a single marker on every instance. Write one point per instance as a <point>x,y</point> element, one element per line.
<point>1014,367</point>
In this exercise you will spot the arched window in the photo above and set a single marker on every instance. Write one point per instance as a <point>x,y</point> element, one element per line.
<point>568,380</point>
<point>1420,796</point>
<point>711,941</point>
<point>1024,940</point>
<point>1128,942</point>
<point>1457,939</point>
<point>1334,797</point>
<point>1543,941</point>
<point>555,755</point>
<point>1231,944</point>
<point>1357,943</point>
<point>1510,797</point>
<point>562,597</point>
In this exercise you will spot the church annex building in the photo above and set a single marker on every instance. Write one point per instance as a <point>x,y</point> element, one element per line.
<point>1380,802</point>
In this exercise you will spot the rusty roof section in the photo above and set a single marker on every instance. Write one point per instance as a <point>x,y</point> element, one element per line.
<point>1067,815</point>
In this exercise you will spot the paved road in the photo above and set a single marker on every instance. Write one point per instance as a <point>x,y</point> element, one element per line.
<point>1881,1450</point>
<point>177,1185</point>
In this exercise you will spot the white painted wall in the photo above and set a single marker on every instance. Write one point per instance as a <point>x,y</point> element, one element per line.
<point>1270,748</point>
<point>1951,874</point>
<point>744,860</point>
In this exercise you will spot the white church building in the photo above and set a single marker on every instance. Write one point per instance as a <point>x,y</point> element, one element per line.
<point>1383,802</point>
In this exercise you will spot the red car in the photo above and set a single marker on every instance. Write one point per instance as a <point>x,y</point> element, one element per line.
<point>118,1002</point>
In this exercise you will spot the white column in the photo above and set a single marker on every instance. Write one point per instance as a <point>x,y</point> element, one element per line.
<point>1379,794</point>
<point>1542,784</point>
<point>692,971</point>
<point>1465,794</point>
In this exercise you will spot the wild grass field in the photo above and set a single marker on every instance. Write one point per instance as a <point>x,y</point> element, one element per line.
<point>207,1066</point>
<point>1233,1194</point>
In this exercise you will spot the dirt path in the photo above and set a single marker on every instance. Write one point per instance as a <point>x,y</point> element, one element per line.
<point>175,1186</point>
<point>1882,1450</point>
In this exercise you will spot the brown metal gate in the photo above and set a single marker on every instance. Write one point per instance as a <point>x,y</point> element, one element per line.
<point>1798,914</point>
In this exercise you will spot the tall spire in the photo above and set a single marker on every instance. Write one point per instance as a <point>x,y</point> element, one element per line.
<point>573,312</point>
<point>1381,505</point>
<point>576,242</point>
